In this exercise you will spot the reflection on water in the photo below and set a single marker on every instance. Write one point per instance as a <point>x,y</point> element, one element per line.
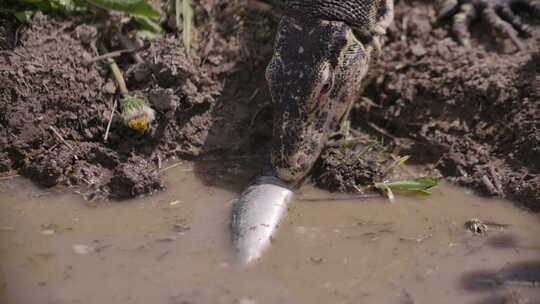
<point>175,248</point>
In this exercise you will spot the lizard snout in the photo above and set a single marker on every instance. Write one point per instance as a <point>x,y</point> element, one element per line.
<point>299,160</point>
<point>292,164</point>
<point>291,173</point>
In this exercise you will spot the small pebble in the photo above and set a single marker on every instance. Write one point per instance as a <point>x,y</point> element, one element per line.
<point>47,232</point>
<point>300,229</point>
<point>82,249</point>
<point>174,203</point>
<point>316,260</point>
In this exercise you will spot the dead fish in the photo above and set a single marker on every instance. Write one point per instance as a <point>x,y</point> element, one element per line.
<point>256,215</point>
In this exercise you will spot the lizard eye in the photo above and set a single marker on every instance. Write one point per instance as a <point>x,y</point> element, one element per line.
<point>362,36</point>
<point>323,86</point>
<point>327,87</point>
<point>326,80</point>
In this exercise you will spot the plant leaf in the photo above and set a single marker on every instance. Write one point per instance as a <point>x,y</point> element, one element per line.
<point>422,192</point>
<point>178,13</point>
<point>67,6</point>
<point>31,1</point>
<point>134,7</point>
<point>417,184</point>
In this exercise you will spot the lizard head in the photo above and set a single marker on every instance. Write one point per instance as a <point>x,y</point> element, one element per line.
<point>314,74</point>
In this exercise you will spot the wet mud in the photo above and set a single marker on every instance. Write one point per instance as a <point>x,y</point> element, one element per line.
<point>468,114</point>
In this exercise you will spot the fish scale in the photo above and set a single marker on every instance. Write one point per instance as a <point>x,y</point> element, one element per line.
<point>256,215</point>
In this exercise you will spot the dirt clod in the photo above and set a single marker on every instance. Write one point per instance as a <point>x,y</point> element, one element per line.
<point>346,170</point>
<point>133,178</point>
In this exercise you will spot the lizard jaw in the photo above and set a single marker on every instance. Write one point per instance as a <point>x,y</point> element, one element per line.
<point>297,144</point>
<point>295,168</point>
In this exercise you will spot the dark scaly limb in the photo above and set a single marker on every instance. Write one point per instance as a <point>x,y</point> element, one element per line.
<point>447,8</point>
<point>502,27</point>
<point>501,15</point>
<point>461,23</point>
<point>509,16</point>
<point>533,6</point>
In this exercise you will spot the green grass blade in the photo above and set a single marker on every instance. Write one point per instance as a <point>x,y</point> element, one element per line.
<point>363,151</point>
<point>178,13</point>
<point>187,16</point>
<point>395,165</point>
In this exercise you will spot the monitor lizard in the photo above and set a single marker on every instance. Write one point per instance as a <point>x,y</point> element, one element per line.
<point>322,51</point>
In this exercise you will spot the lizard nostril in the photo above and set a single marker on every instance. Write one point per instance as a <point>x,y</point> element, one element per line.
<point>300,159</point>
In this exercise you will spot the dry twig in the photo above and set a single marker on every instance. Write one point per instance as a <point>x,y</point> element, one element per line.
<point>171,166</point>
<point>110,121</point>
<point>9,176</point>
<point>60,137</point>
<point>110,55</point>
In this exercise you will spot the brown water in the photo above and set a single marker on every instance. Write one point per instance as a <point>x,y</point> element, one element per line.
<point>174,248</point>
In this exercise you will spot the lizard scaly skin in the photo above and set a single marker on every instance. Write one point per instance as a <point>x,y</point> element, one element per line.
<point>322,52</point>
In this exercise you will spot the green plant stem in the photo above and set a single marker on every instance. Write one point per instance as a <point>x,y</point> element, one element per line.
<point>117,73</point>
<point>118,77</point>
<point>187,17</point>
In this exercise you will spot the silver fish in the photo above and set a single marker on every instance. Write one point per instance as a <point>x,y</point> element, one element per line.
<point>256,215</point>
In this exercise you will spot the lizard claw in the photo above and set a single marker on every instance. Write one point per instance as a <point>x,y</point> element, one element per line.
<point>501,15</point>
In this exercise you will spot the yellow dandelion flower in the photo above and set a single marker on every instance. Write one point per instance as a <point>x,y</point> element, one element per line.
<point>136,113</point>
<point>138,124</point>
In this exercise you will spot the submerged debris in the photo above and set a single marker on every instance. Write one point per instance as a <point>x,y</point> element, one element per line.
<point>476,226</point>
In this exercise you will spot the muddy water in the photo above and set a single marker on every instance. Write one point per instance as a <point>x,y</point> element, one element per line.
<point>175,248</point>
